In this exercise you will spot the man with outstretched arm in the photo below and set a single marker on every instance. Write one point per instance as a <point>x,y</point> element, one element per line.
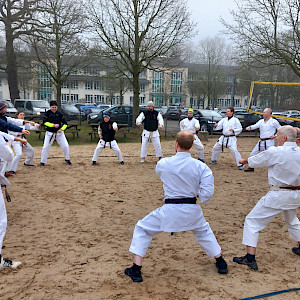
<point>182,176</point>
<point>283,164</point>
<point>267,127</point>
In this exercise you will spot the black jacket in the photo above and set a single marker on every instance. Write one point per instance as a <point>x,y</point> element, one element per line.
<point>108,133</point>
<point>50,118</point>
<point>150,121</point>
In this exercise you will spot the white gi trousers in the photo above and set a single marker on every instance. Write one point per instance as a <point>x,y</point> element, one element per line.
<point>19,148</point>
<point>262,146</point>
<point>7,156</point>
<point>199,147</point>
<point>153,224</point>
<point>231,145</point>
<point>260,216</point>
<point>156,144</point>
<point>3,219</point>
<point>113,145</point>
<point>48,141</point>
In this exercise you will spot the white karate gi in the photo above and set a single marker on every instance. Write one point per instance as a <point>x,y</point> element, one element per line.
<point>267,129</point>
<point>283,164</point>
<point>61,139</point>
<point>181,176</point>
<point>6,154</point>
<point>148,136</point>
<point>191,126</point>
<point>228,139</point>
<point>19,148</point>
<point>102,144</point>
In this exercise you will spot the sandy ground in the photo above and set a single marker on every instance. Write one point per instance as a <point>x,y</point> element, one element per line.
<point>71,226</point>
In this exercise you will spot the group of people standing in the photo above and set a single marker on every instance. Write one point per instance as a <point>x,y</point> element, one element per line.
<point>184,178</point>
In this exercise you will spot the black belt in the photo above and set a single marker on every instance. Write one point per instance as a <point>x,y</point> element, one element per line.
<point>294,188</point>
<point>181,201</point>
<point>227,136</point>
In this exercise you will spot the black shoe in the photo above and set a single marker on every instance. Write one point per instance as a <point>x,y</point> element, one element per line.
<point>244,261</point>
<point>94,163</point>
<point>28,165</point>
<point>135,276</point>
<point>122,162</point>
<point>249,170</point>
<point>68,161</point>
<point>12,172</point>
<point>296,250</point>
<point>222,266</point>
<point>42,164</point>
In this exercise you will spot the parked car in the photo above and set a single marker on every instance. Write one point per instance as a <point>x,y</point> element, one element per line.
<point>103,106</point>
<point>79,105</point>
<point>11,110</point>
<point>32,108</point>
<point>173,113</point>
<point>163,110</point>
<point>250,119</point>
<point>70,112</point>
<point>207,118</point>
<point>122,114</point>
<point>86,110</point>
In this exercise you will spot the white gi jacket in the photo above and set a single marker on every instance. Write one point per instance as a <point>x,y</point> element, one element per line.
<point>181,176</point>
<point>283,164</point>
<point>6,154</point>
<point>26,126</point>
<point>18,122</point>
<point>147,133</point>
<point>189,125</point>
<point>225,124</point>
<point>266,129</point>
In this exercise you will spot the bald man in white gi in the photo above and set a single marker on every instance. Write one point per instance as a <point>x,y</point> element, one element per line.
<point>268,128</point>
<point>192,125</point>
<point>283,164</point>
<point>183,179</point>
<point>7,155</point>
<point>152,120</point>
<point>231,128</point>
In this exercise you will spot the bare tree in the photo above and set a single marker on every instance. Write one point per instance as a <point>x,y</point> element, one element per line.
<point>14,14</point>
<point>57,40</point>
<point>267,29</point>
<point>212,53</point>
<point>134,33</point>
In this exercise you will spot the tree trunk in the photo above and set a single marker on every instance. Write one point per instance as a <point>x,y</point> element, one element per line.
<point>136,101</point>
<point>11,68</point>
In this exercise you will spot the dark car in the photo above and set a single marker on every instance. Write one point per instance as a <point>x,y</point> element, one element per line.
<point>70,112</point>
<point>250,119</point>
<point>122,114</point>
<point>86,110</point>
<point>173,113</point>
<point>207,118</point>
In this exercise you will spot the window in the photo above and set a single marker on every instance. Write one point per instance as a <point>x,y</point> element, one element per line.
<point>142,88</point>
<point>97,85</point>
<point>64,85</point>
<point>176,83</point>
<point>1,96</point>
<point>142,100</point>
<point>158,82</point>
<point>0,81</point>
<point>99,98</point>
<point>116,110</point>
<point>128,109</point>
<point>74,84</point>
<point>131,100</point>
<point>44,84</point>
<point>89,98</point>
<point>237,102</point>
<point>89,85</point>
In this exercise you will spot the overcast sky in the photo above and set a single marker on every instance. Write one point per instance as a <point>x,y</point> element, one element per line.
<point>207,14</point>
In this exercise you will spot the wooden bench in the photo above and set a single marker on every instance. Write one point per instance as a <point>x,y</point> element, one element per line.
<point>73,131</point>
<point>93,134</point>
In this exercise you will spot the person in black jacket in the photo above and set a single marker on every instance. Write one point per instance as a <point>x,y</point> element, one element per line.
<point>55,124</point>
<point>106,131</point>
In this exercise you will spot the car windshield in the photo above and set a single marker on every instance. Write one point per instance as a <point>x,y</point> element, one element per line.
<point>9,104</point>
<point>40,104</point>
<point>70,108</point>
<point>210,113</point>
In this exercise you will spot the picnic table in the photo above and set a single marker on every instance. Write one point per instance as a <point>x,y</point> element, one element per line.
<point>72,128</point>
